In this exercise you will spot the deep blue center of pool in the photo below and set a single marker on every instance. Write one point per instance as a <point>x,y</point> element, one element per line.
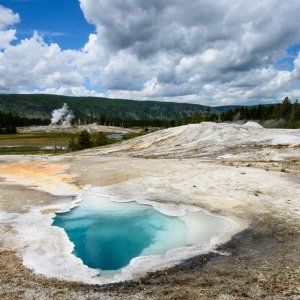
<point>108,238</point>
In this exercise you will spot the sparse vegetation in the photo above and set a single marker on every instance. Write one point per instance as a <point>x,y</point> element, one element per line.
<point>101,139</point>
<point>72,146</point>
<point>84,141</point>
<point>196,117</point>
<point>133,135</point>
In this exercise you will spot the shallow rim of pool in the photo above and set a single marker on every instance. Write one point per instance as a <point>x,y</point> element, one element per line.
<point>47,250</point>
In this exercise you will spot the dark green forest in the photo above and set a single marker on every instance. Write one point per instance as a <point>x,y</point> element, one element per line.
<point>285,114</point>
<point>91,108</point>
<point>9,122</point>
<point>25,110</point>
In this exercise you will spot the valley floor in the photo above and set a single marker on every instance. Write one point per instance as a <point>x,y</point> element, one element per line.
<point>260,262</point>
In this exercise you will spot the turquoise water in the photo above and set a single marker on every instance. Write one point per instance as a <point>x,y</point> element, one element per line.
<point>108,235</point>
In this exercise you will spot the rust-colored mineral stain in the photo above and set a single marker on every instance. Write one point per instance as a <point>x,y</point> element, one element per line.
<point>35,169</point>
<point>51,175</point>
<point>140,146</point>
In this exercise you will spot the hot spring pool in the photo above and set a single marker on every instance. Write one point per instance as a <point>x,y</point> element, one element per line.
<point>108,235</point>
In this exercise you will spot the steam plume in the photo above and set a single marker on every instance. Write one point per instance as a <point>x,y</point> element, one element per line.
<point>62,116</point>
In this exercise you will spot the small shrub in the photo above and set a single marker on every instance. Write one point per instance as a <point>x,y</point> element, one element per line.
<point>72,145</point>
<point>101,139</point>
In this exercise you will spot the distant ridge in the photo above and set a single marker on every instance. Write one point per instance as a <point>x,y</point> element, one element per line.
<point>41,106</point>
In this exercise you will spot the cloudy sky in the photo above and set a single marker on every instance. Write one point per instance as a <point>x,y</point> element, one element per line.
<point>202,51</point>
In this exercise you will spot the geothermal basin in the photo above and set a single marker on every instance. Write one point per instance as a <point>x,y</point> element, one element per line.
<point>130,237</point>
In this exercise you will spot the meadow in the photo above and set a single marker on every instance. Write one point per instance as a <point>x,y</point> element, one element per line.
<point>45,142</point>
<point>34,143</point>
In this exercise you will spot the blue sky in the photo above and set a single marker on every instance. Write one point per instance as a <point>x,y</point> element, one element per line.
<point>207,52</point>
<point>59,21</point>
<point>286,62</point>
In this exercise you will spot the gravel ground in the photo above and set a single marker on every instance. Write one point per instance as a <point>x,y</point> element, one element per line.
<point>260,263</point>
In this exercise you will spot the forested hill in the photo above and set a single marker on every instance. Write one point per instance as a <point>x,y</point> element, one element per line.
<point>89,108</point>
<point>22,110</point>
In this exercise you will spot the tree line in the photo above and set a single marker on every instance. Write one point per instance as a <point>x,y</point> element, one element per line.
<point>10,122</point>
<point>84,140</point>
<point>285,114</point>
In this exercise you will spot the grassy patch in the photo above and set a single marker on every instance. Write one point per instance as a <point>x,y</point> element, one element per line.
<point>129,136</point>
<point>34,143</point>
<point>28,151</point>
<point>38,143</point>
<point>35,139</point>
<point>45,142</point>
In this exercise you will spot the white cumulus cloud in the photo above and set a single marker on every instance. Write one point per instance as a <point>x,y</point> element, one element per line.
<point>7,19</point>
<point>210,52</point>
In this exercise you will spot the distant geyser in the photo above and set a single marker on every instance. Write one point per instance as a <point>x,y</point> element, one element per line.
<point>62,116</point>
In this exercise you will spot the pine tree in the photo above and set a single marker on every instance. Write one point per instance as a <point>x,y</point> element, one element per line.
<point>286,109</point>
<point>84,140</point>
<point>196,117</point>
<point>101,139</point>
<point>72,144</point>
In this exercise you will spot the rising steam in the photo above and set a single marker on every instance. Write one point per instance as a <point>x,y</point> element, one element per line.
<point>62,116</point>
